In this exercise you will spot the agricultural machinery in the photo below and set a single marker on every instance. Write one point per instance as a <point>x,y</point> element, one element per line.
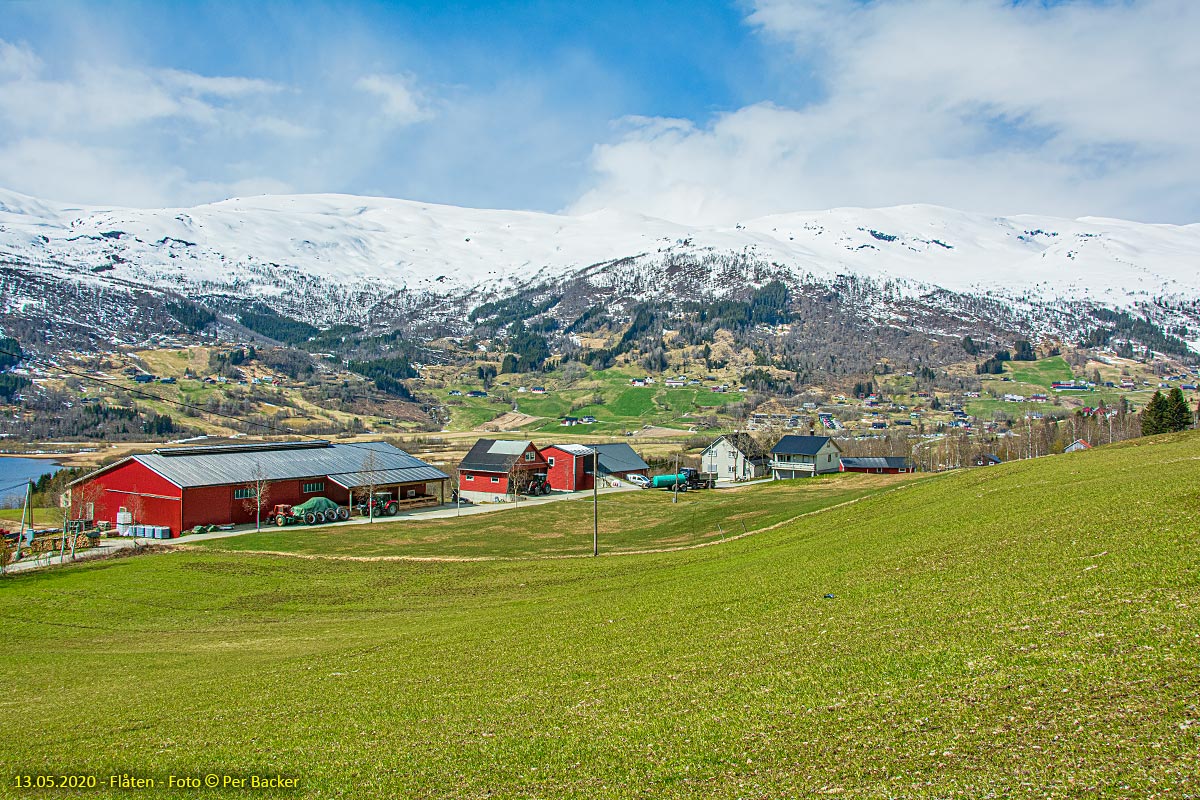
<point>381,504</point>
<point>311,512</point>
<point>537,484</point>
<point>687,478</point>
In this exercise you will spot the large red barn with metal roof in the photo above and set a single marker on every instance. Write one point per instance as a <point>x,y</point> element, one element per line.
<point>182,487</point>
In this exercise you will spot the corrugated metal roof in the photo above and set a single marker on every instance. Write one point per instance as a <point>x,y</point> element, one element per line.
<point>574,449</point>
<point>876,462</point>
<point>221,466</point>
<point>494,456</point>
<point>505,447</point>
<point>386,477</point>
<point>618,458</point>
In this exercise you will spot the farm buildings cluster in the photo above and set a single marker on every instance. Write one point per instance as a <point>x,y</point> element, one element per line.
<point>177,489</point>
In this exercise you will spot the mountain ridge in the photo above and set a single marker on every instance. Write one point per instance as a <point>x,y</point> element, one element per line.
<point>334,259</point>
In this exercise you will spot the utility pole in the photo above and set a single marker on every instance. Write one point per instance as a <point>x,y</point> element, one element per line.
<point>595,503</point>
<point>675,491</point>
<point>24,510</point>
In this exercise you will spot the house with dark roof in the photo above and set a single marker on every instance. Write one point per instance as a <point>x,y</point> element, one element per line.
<point>804,456</point>
<point>495,468</point>
<point>879,465</point>
<point>182,487</point>
<point>736,457</point>
<point>619,460</point>
<point>987,460</point>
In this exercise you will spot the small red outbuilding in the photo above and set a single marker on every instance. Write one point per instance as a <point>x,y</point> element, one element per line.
<point>569,467</point>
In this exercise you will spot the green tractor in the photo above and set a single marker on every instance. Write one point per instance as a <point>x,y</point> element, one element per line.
<point>313,511</point>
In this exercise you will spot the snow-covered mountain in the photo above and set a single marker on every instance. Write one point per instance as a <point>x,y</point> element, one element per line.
<point>335,258</point>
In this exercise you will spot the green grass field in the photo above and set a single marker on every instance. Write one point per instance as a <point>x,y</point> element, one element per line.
<point>42,517</point>
<point>1028,630</point>
<point>1042,372</point>
<point>625,407</point>
<point>628,521</point>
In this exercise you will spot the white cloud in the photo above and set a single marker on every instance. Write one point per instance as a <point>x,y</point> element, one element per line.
<point>401,103</point>
<point>1075,109</point>
<point>17,60</point>
<point>107,132</point>
<point>216,86</point>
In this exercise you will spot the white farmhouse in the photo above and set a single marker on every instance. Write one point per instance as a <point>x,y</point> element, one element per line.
<point>804,456</point>
<point>735,457</point>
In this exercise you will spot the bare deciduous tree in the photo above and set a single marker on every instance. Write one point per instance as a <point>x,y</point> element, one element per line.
<point>366,492</point>
<point>257,494</point>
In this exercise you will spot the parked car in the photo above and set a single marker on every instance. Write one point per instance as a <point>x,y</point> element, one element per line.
<point>638,479</point>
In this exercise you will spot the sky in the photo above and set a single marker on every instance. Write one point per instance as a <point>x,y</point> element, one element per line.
<point>699,112</point>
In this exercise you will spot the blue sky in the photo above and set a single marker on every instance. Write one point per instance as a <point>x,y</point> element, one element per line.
<point>701,112</point>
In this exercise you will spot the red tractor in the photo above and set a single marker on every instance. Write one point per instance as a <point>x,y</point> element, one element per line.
<point>381,504</point>
<point>537,484</point>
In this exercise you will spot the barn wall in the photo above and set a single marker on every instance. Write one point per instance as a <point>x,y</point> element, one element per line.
<point>153,499</point>
<point>482,482</point>
<point>565,473</point>
<point>215,505</point>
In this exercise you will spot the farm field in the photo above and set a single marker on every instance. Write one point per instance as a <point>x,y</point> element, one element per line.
<point>42,517</point>
<point>629,521</point>
<point>1025,630</point>
<point>624,407</point>
<point>1042,372</point>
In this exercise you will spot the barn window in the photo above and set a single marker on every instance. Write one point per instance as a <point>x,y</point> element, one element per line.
<point>495,479</point>
<point>313,488</point>
<point>550,461</point>
<point>243,494</point>
<point>468,477</point>
<point>531,456</point>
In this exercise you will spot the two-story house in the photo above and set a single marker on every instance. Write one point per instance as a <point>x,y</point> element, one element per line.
<point>804,456</point>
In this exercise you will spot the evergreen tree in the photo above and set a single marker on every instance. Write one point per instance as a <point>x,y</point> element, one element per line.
<point>1178,416</point>
<point>1024,351</point>
<point>1154,417</point>
<point>968,344</point>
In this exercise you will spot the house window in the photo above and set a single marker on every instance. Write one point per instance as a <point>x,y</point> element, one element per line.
<point>733,454</point>
<point>495,479</point>
<point>531,456</point>
<point>468,477</point>
<point>243,494</point>
<point>313,488</point>
<point>550,461</point>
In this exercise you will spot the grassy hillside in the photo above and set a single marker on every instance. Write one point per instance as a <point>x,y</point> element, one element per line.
<point>629,521</point>
<point>1024,630</point>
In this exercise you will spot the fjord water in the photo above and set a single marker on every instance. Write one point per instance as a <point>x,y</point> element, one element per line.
<point>14,472</point>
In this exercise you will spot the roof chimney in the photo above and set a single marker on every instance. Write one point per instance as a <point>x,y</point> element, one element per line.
<point>812,427</point>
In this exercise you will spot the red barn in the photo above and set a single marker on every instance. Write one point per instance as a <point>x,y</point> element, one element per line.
<point>569,467</point>
<point>182,487</point>
<point>882,465</point>
<point>498,467</point>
